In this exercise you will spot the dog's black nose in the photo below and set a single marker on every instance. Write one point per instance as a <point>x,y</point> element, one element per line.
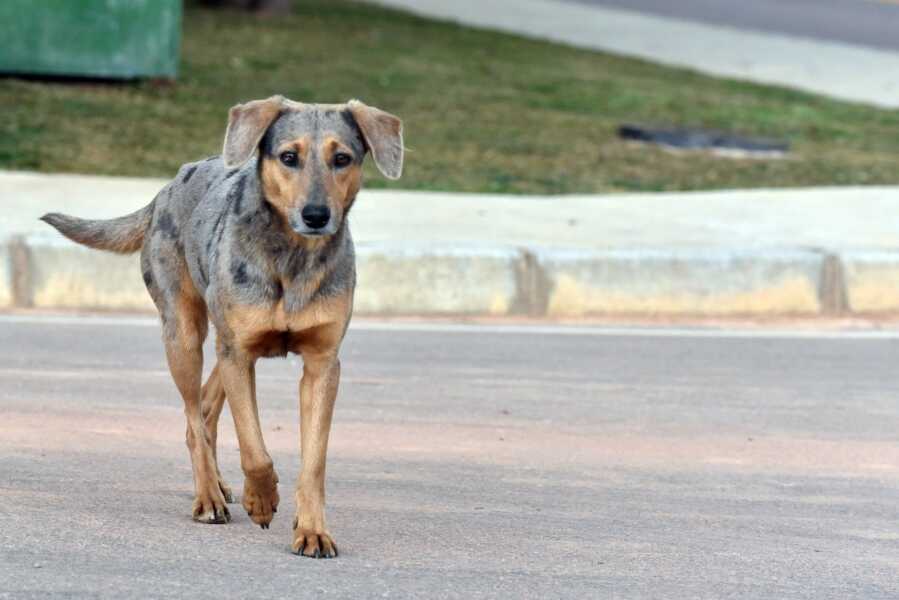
<point>316,216</point>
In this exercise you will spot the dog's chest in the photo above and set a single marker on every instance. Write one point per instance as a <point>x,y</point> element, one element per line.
<point>275,329</point>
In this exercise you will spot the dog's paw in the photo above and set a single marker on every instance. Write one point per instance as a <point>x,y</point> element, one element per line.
<point>260,499</point>
<point>313,544</point>
<point>227,494</point>
<point>210,507</point>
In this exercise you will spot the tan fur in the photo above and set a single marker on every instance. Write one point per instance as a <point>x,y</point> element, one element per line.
<point>346,184</point>
<point>184,352</point>
<point>212,400</point>
<point>318,391</point>
<point>282,186</point>
<point>311,271</point>
<point>246,124</point>
<point>384,135</point>
<point>251,323</point>
<point>315,333</point>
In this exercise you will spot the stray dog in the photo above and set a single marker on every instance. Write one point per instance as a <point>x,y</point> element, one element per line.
<point>258,243</point>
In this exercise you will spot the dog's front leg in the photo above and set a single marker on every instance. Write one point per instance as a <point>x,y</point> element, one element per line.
<point>318,391</point>
<point>260,494</point>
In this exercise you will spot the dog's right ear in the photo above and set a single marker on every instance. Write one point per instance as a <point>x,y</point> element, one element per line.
<point>247,124</point>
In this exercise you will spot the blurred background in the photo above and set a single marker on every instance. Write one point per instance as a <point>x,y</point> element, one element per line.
<point>759,141</point>
<point>138,88</point>
<point>626,326</point>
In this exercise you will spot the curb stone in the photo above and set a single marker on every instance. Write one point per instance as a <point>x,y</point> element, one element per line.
<point>408,279</point>
<point>665,281</point>
<point>65,275</point>
<point>398,279</point>
<point>872,280</point>
<point>6,277</point>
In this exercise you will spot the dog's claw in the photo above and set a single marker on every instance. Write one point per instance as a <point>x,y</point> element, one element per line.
<point>213,515</point>
<point>260,499</point>
<point>319,545</point>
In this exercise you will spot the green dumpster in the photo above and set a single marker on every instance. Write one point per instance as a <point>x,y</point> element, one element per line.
<point>90,38</point>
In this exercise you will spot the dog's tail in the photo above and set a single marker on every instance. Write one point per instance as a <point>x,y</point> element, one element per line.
<point>123,235</point>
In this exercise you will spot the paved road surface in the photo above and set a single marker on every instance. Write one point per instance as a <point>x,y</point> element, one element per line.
<point>469,463</point>
<point>862,22</point>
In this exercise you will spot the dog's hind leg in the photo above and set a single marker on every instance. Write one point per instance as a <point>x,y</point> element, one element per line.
<point>184,326</point>
<point>184,331</point>
<point>212,401</point>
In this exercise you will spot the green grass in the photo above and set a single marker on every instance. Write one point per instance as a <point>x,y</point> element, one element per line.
<point>483,111</point>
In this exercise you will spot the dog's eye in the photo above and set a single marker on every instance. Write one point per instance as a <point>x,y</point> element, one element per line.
<point>342,159</point>
<point>289,158</point>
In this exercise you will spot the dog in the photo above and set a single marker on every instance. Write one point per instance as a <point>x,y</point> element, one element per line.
<point>257,242</point>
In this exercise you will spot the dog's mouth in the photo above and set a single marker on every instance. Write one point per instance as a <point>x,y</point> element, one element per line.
<point>300,228</point>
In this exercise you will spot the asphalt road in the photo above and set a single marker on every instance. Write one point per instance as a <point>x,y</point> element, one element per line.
<point>469,463</point>
<point>862,22</point>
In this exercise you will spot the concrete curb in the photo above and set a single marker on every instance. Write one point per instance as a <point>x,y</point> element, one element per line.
<point>409,279</point>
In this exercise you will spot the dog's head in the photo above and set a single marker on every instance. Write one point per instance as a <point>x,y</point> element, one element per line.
<point>310,155</point>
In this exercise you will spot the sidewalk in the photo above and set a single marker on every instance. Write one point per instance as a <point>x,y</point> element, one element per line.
<point>834,69</point>
<point>828,251</point>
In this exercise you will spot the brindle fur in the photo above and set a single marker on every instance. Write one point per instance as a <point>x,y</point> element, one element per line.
<point>225,242</point>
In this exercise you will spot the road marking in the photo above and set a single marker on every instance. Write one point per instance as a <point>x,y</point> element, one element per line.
<point>628,330</point>
<point>86,373</point>
<point>92,320</point>
<point>648,331</point>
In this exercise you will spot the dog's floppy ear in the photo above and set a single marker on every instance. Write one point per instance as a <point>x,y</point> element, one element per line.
<point>246,126</point>
<point>383,135</point>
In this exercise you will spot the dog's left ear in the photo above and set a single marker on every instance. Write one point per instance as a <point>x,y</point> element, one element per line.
<point>383,135</point>
<point>247,124</point>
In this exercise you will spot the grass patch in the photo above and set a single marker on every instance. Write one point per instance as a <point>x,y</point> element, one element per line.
<point>483,111</point>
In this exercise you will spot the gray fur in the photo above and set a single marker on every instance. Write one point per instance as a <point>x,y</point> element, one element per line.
<point>383,135</point>
<point>247,124</point>
<point>214,223</point>
<point>213,247</point>
<point>123,235</point>
<point>242,250</point>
